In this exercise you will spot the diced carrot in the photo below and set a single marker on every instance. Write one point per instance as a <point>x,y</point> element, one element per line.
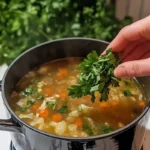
<point>78,122</point>
<point>103,105</point>
<point>57,117</point>
<point>48,91</point>
<point>115,103</point>
<point>63,71</point>
<point>141,104</point>
<point>43,113</point>
<point>59,77</point>
<point>35,107</point>
<point>63,95</point>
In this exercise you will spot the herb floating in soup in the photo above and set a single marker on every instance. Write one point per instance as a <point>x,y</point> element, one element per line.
<point>41,99</point>
<point>96,74</point>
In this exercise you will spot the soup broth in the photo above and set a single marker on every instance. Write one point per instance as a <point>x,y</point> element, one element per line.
<point>41,100</point>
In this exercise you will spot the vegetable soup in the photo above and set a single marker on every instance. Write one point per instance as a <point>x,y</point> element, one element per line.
<point>41,100</point>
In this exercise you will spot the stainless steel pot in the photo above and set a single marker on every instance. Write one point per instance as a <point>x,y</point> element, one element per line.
<point>25,137</point>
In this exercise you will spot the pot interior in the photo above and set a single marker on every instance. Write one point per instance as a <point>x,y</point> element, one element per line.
<point>73,47</point>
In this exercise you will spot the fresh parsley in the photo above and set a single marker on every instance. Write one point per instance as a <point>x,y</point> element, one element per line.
<point>64,108</point>
<point>87,18</point>
<point>23,109</point>
<point>87,129</point>
<point>51,104</point>
<point>29,103</point>
<point>40,97</point>
<point>96,74</point>
<point>29,91</point>
<point>106,129</point>
<point>127,93</point>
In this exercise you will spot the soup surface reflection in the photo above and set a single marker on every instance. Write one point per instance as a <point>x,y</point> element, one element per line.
<point>41,100</point>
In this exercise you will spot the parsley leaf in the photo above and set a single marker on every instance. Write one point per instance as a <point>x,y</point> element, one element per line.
<point>96,74</point>
<point>52,104</point>
<point>40,97</point>
<point>106,129</point>
<point>127,93</point>
<point>23,109</point>
<point>86,128</point>
<point>29,103</point>
<point>64,108</point>
<point>29,91</point>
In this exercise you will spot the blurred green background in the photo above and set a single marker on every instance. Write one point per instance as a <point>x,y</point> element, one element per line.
<point>26,23</point>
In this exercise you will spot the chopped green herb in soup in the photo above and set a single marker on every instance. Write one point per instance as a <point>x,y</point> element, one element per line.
<point>41,100</point>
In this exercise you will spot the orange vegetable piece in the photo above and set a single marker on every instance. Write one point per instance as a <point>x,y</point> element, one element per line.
<point>57,117</point>
<point>63,95</point>
<point>63,71</point>
<point>103,105</point>
<point>60,77</point>
<point>78,122</point>
<point>141,104</point>
<point>35,106</point>
<point>48,91</point>
<point>43,113</point>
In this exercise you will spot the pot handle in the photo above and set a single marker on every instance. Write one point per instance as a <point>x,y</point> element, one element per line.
<point>9,124</point>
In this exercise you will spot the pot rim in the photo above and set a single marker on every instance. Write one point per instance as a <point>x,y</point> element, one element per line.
<point>21,122</point>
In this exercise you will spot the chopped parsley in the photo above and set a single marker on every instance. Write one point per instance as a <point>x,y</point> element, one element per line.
<point>51,104</point>
<point>29,103</point>
<point>40,97</point>
<point>106,129</point>
<point>35,92</point>
<point>127,93</point>
<point>64,108</point>
<point>87,129</point>
<point>128,82</point>
<point>29,91</point>
<point>23,109</point>
<point>96,74</point>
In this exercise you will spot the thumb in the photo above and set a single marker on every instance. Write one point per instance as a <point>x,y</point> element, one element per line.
<point>136,68</point>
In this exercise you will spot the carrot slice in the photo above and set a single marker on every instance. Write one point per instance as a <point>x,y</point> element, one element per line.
<point>141,104</point>
<point>63,95</point>
<point>48,91</point>
<point>63,71</point>
<point>57,117</point>
<point>35,107</point>
<point>43,113</point>
<point>59,77</point>
<point>103,105</point>
<point>78,122</point>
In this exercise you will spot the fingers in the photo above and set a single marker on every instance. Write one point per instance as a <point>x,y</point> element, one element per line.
<point>136,31</point>
<point>135,68</point>
<point>146,55</point>
<point>129,48</point>
<point>137,52</point>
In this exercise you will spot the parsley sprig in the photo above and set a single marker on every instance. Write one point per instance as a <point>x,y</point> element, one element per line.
<point>96,74</point>
<point>64,107</point>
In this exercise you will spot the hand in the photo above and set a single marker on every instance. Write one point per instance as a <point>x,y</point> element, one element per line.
<point>133,43</point>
